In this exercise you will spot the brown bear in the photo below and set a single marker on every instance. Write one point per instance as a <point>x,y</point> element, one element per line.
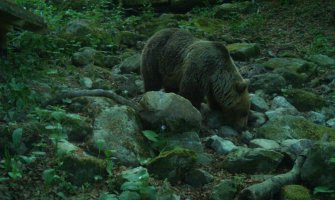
<point>194,68</point>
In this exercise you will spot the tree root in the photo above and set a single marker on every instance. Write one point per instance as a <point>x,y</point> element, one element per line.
<point>97,92</point>
<point>266,189</point>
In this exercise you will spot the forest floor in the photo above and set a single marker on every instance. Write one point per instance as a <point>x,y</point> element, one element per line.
<point>39,66</point>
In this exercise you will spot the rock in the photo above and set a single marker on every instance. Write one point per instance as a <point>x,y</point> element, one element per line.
<point>78,28</point>
<point>81,167</point>
<point>84,56</point>
<point>172,164</point>
<point>292,127</point>
<point>258,103</point>
<point>131,64</point>
<point>227,131</point>
<point>292,64</point>
<point>256,119</point>
<point>316,117</point>
<point>269,83</point>
<point>187,140</point>
<point>277,113</point>
<point>86,82</point>
<point>92,106</point>
<point>128,38</point>
<point>119,122</point>
<point>294,192</point>
<point>110,61</point>
<point>331,123</point>
<point>281,102</point>
<point>129,195</point>
<point>227,9</point>
<point>251,161</point>
<point>318,168</point>
<point>225,190</point>
<point>174,112</point>
<point>166,192</point>
<point>220,145</point>
<point>295,147</point>
<point>128,84</point>
<point>65,147</point>
<point>322,60</point>
<point>264,143</point>
<point>87,56</point>
<point>243,51</point>
<point>304,100</point>
<point>246,137</point>
<point>198,178</point>
<point>292,77</point>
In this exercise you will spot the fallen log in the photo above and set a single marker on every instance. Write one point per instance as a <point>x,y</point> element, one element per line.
<point>265,190</point>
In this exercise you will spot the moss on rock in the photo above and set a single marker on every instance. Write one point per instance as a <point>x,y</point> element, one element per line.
<point>295,192</point>
<point>304,100</point>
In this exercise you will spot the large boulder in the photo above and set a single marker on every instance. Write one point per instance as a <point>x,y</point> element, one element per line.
<point>269,83</point>
<point>293,127</point>
<point>304,100</point>
<point>118,129</point>
<point>170,111</point>
<point>292,64</point>
<point>251,161</point>
<point>319,168</point>
<point>172,164</point>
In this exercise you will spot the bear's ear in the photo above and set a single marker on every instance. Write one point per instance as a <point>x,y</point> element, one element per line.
<point>241,86</point>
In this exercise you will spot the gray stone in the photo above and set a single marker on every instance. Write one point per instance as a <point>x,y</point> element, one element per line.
<point>292,127</point>
<point>279,112</point>
<point>220,145</point>
<point>295,147</point>
<point>246,137</point>
<point>322,60</point>
<point>251,161</point>
<point>318,169</point>
<point>187,140</point>
<point>264,143</point>
<point>172,164</point>
<point>78,27</point>
<point>227,9</point>
<point>291,64</point>
<point>256,119</point>
<point>269,83</point>
<point>128,84</point>
<point>227,131</point>
<point>258,103</point>
<point>84,56</point>
<point>243,51</point>
<point>131,64</point>
<point>331,123</point>
<point>316,117</point>
<point>198,178</point>
<point>170,110</point>
<point>81,166</point>
<point>225,190</point>
<point>281,102</point>
<point>118,129</point>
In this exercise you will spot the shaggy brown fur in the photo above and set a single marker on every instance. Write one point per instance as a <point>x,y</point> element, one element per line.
<point>178,62</point>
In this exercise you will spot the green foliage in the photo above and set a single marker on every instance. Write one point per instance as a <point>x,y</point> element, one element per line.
<point>322,44</point>
<point>137,180</point>
<point>150,135</point>
<point>323,190</point>
<point>251,25</point>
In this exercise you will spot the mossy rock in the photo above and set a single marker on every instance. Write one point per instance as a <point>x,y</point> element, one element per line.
<point>128,38</point>
<point>243,51</point>
<point>295,192</point>
<point>82,167</point>
<point>293,127</point>
<point>250,161</point>
<point>293,64</point>
<point>292,77</point>
<point>172,164</point>
<point>319,168</point>
<point>304,100</point>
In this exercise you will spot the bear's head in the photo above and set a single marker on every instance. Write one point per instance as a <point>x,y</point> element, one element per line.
<point>235,112</point>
